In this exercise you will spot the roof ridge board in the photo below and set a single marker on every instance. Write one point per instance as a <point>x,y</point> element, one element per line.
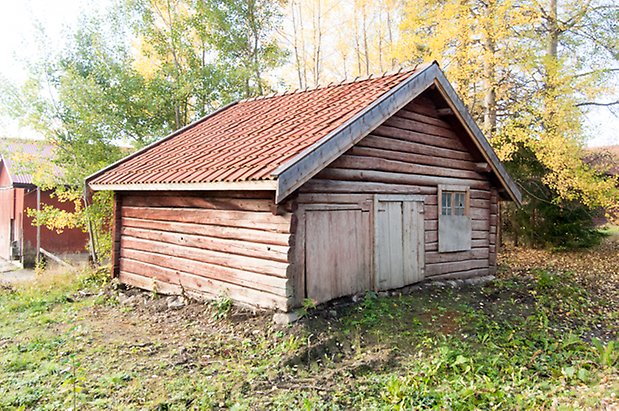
<point>333,83</point>
<point>158,142</point>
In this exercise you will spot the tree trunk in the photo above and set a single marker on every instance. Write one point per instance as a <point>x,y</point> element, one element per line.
<point>295,40</point>
<point>365,39</point>
<point>489,73</point>
<point>553,31</point>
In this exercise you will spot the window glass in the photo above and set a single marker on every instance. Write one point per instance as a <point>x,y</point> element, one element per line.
<point>453,203</point>
<point>459,204</point>
<point>446,203</point>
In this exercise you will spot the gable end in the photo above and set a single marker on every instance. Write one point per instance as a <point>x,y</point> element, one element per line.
<point>300,169</point>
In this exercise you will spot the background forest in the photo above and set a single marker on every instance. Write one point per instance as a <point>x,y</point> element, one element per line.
<point>528,70</point>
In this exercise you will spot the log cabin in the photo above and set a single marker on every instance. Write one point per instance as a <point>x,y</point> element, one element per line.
<point>371,184</point>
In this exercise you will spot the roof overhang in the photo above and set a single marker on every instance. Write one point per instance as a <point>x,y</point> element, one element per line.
<point>258,185</point>
<point>298,170</point>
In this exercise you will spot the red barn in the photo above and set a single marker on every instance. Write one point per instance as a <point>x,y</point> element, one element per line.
<point>18,193</point>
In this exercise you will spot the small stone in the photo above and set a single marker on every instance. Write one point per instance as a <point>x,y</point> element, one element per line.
<point>479,280</point>
<point>383,294</point>
<point>452,284</point>
<point>124,300</point>
<point>333,313</point>
<point>285,318</point>
<point>176,302</point>
<point>356,298</point>
<point>437,284</point>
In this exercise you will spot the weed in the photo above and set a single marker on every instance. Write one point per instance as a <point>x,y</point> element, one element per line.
<point>222,306</point>
<point>307,307</point>
<point>607,354</point>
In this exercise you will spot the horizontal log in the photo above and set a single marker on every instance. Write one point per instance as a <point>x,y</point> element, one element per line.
<point>245,219</point>
<point>396,178</point>
<point>377,141</point>
<point>445,268</point>
<point>246,248</point>
<point>473,254</point>
<point>417,137</point>
<point>478,272</point>
<point>445,111</point>
<point>422,105</point>
<point>423,118</point>
<point>320,185</point>
<point>382,164</point>
<point>308,198</point>
<point>188,201</point>
<point>197,282</point>
<point>419,127</point>
<point>255,265</point>
<point>233,233</point>
<point>480,194</point>
<point>389,153</point>
<point>206,288</point>
<point>274,285</point>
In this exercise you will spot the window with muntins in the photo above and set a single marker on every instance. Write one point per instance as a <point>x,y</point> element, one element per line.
<point>454,221</point>
<point>453,203</point>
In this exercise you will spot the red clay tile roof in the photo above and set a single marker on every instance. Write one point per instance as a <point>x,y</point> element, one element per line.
<point>250,139</point>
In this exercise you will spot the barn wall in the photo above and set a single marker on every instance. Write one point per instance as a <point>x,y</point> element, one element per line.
<point>7,202</point>
<point>206,243</point>
<point>412,153</point>
<point>70,241</point>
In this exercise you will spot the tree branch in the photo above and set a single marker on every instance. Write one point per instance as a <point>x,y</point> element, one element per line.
<point>595,103</point>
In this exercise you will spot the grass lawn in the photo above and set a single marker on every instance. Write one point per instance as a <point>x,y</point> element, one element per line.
<point>544,335</point>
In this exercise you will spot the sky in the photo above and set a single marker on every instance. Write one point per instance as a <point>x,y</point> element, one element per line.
<point>18,29</point>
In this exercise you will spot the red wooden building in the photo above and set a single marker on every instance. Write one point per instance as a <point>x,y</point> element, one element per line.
<point>366,185</point>
<point>18,237</point>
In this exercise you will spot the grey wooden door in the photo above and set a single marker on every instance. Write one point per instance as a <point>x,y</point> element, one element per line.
<point>398,241</point>
<point>337,251</point>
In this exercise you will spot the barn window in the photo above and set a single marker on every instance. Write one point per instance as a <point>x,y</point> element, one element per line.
<point>454,221</point>
<point>453,203</point>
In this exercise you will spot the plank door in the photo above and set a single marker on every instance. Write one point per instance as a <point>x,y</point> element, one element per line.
<point>337,251</point>
<point>398,241</point>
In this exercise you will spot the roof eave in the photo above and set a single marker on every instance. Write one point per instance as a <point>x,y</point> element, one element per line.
<point>257,185</point>
<point>154,144</point>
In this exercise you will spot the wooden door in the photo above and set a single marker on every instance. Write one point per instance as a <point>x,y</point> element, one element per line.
<point>398,241</point>
<point>337,251</point>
